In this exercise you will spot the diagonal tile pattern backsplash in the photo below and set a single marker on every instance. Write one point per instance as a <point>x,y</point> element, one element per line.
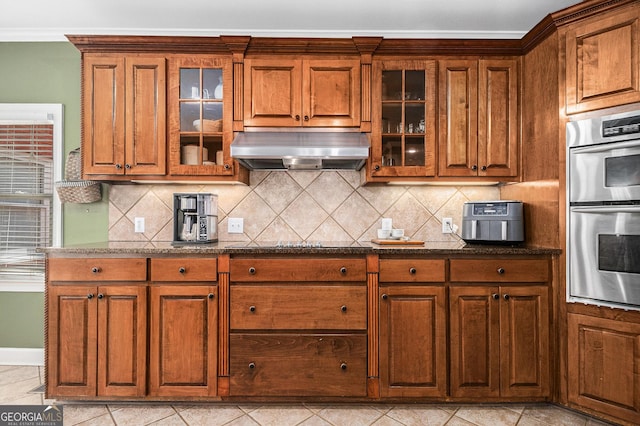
<point>301,205</point>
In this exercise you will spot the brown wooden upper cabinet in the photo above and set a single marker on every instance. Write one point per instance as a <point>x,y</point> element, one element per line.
<point>603,60</point>
<point>124,106</point>
<point>403,136</point>
<point>302,92</point>
<point>478,118</point>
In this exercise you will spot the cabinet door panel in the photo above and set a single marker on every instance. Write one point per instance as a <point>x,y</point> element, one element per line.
<point>604,361</point>
<point>475,341</point>
<point>332,93</point>
<point>72,341</point>
<point>413,341</point>
<point>146,116</point>
<point>524,341</point>
<point>498,118</point>
<point>122,340</point>
<point>183,341</point>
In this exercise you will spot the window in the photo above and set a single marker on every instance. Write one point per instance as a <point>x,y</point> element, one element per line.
<point>30,153</point>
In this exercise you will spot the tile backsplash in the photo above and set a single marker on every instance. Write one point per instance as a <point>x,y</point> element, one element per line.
<point>299,205</point>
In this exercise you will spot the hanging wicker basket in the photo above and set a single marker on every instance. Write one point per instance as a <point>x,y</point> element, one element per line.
<point>74,189</point>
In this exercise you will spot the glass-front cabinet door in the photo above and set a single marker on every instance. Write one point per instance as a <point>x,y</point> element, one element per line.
<point>200,116</point>
<point>403,119</point>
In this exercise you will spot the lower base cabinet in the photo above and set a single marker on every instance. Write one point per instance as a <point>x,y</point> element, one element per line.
<point>604,366</point>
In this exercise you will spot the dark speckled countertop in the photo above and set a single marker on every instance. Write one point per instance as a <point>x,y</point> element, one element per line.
<point>134,248</point>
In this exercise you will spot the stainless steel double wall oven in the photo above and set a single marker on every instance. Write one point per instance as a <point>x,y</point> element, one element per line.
<point>603,238</point>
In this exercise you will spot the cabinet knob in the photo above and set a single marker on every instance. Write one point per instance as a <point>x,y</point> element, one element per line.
<point>252,308</point>
<point>343,270</point>
<point>376,167</point>
<point>500,271</point>
<point>127,166</point>
<point>100,296</point>
<point>474,167</point>
<point>95,269</point>
<point>252,270</point>
<point>252,365</point>
<point>506,297</point>
<point>384,296</point>
<point>483,168</point>
<point>343,366</point>
<point>412,271</point>
<point>118,166</point>
<point>306,118</point>
<point>297,117</point>
<point>495,296</point>
<point>227,166</point>
<point>343,308</point>
<point>211,296</point>
<point>182,269</point>
<point>90,296</point>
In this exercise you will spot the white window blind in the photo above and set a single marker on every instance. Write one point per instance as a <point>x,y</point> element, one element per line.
<point>26,198</point>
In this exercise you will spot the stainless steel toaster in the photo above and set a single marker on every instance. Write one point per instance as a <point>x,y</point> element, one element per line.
<point>494,222</point>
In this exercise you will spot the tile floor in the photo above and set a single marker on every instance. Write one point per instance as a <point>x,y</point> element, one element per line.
<point>19,385</point>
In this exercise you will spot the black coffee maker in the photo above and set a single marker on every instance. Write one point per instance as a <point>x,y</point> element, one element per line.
<point>195,218</point>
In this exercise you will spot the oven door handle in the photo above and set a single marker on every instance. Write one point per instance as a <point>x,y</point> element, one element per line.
<point>606,209</point>
<point>605,147</point>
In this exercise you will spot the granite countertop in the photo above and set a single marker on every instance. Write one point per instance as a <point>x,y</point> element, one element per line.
<point>130,248</point>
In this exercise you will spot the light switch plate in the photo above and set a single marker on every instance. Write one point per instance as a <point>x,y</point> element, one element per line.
<point>236,225</point>
<point>138,223</point>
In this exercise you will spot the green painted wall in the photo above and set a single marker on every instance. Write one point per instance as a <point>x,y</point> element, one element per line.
<point>46,73</point>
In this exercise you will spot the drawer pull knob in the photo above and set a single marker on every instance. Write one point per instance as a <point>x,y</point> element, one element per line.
<point>252,270</point>
<point>495,296</point>
<point>90,296</point>
<point>182,269</point>
<point>211,296</point>
<point>343,308</point>
<point>384,296</point>
<point>343,366</point>
<point>412,271</point>
<point>252,365</point>
<point>500,271</point>
<point>100,296</point>
<point>343,270</point>
<point>297,117</point>
<point>95,269</point>
<point>506,297</point>
<point>252,308</point>
<point>118,166</point>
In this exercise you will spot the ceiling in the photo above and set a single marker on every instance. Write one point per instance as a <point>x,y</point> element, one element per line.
<point>47,20</point>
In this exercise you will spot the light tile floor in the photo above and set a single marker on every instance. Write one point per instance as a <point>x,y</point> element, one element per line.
<point>19,385</point>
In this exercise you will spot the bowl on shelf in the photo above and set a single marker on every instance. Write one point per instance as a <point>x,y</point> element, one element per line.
<point>208,126</point>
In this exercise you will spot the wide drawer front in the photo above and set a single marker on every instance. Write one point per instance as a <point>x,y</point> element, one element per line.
<point>184,269</point>
<point>412,270</point>
<point>298,365</point>
<point>282,307</point>
<point>499,270</point>
<point>97,269</point>
<point>300,269</point>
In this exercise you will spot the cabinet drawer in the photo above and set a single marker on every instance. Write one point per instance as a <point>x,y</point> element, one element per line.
<point>499,270</point>
<point>319,307</point>
<point>299,269</point>
<point>97,269</point>
<point>412,270</point>
<point>184,269</point>
<point>298,365</point>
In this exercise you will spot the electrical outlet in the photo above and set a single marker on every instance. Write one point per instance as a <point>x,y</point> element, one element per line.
<point>447,225</point>
<point>236,225</point>
<point>138,224</point>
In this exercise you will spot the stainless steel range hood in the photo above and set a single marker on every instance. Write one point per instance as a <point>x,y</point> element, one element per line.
<point>292,149</point>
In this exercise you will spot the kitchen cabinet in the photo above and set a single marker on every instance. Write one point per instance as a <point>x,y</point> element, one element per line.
<point>403,137</point>
<point>200,116</point>
<point>309,92</point>
<point>603,60</point>
<point>603,361</point>
<point>478,118</point>
<point>413,338</point>
<point>499,328</point>
<point>96,328</point>
<point>183,349</point>
<point>124,115</point>
<point>298,327</point>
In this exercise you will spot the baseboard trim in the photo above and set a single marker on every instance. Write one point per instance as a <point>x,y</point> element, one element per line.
<point>21,356</point>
